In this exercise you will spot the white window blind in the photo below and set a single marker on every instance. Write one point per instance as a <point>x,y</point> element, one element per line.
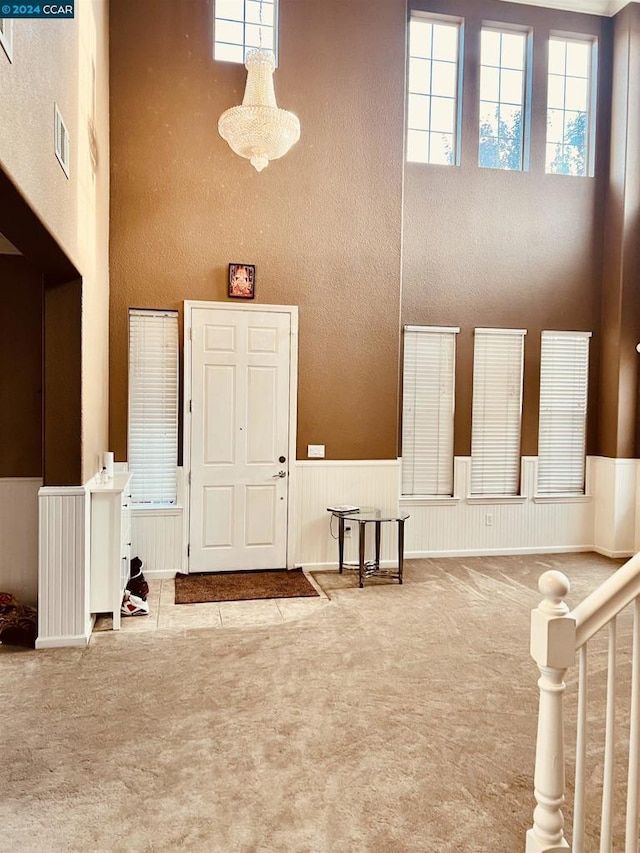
<point>427,410</point>
<point>153,406</point>
<point>497,411</point>
<point>564,375</point>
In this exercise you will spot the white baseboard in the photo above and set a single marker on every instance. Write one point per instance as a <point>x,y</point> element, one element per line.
<point>75,641</point>
<point>159,574</point>
<point>606,552</point>
<point>311,567</point>
<point>500,552</point>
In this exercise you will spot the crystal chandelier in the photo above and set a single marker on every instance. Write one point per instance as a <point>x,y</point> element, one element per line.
<point>258,129</point>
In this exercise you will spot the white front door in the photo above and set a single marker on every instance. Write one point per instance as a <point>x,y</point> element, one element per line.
<point>240,370</point>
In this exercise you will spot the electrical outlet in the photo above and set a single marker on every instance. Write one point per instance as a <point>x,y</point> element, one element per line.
<point>488,519</point>
<point>315,451</point>
<point>347,532</point>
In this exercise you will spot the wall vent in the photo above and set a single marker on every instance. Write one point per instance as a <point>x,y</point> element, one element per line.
<point>6,37</point>
<point>61,141</point>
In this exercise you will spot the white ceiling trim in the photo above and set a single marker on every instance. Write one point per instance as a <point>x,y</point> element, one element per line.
<point>589,7</point>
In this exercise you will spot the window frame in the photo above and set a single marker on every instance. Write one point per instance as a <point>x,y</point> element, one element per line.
<point>592,100</point>
<point>481,413</point>
<point>244,22</point>
<point>449,20</point>
<point>441,428</point>
<point>527,89</point>
<point>169,375</point>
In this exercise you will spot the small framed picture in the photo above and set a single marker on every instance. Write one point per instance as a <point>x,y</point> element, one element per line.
<point>242,281</point>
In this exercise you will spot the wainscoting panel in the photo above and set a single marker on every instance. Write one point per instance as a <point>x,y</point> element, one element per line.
<point>63,575</point>
<point>636,546</point>
<point>615,506</point>
<point>157,540</point>
<point>19,537</point>
<point>326,483</point>
<point>466,525</point>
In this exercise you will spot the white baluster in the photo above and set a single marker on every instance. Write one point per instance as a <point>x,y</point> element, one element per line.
<point>581,757</point>
<point>608,773</point>
<point>553,645</point>
<point>633,783</point>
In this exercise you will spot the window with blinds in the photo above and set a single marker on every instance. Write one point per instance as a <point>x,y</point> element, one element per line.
<point>562,433</point>
<point>497,411</point>
<point>427,410</point>
<point>153,406</point>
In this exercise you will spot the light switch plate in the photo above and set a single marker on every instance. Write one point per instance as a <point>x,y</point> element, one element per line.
<point>315,451</point>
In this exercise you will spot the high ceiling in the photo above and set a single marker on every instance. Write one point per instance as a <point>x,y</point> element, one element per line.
<point>593,7</point>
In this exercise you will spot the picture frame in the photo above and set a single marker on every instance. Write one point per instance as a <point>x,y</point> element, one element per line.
<point>242,281</point>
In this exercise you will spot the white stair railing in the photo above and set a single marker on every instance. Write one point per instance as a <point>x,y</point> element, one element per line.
<point>556,635</point>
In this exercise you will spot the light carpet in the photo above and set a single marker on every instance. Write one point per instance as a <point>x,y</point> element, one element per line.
<point>396,718</point>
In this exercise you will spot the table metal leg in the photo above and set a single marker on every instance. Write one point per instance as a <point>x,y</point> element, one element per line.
<point>400,549</point>
<point>361,529</point>
<point>340,543</point>
<point>378,527</point>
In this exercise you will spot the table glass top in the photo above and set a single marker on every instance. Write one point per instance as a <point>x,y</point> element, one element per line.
<point>368,513</point>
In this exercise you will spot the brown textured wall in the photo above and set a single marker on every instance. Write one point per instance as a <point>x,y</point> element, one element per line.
<point>322,225</point>
<point>21,374</point>
<point>44,71</point>
<point>484,247</point>
<point>621,294</point>
<point>59,223</point>
<point>62,383</point>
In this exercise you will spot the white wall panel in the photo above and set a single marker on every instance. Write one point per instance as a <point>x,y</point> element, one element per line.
<point>63,567</point>
<point>606,523</point>
<point>615,484</point>
<point>322,484</point>
<point>19,537</point>
<point>501,526</point>
<point>157,538</point>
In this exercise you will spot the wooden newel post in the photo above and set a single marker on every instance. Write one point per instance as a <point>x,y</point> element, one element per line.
<point>553,646</point>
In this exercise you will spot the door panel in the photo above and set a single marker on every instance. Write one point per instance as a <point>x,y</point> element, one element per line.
<point>217,530</point>
<point>219,427</point>
<point>239,428</point>
<point>261,515</point>
<point>262,421</point>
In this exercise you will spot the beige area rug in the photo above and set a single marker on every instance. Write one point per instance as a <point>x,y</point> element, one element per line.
<point>397,719</point>
<point>242,586</point>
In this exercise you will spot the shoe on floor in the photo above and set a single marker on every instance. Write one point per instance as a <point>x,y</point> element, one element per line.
<point>137,583</point>
<point>132,605</point>
<point>136,567</point>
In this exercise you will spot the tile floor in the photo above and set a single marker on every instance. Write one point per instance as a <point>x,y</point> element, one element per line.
<point>167,616</point>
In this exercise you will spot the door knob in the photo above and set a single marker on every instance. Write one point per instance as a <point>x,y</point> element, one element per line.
<point>280,474</point>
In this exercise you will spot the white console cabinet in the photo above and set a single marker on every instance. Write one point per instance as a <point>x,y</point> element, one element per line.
<point>110,544</point>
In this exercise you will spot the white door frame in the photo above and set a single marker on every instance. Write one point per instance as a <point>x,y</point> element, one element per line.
<point>292,310</point>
